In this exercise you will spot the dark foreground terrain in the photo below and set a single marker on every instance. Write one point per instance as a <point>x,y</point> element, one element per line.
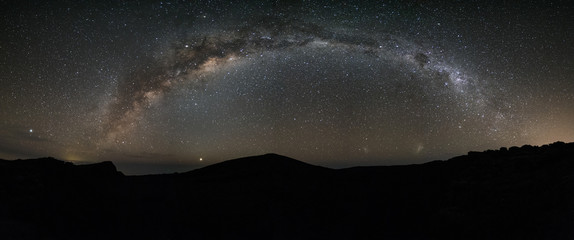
<point>516,193</point>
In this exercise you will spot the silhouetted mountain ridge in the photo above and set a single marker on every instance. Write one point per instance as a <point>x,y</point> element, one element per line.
<point>256,166</point>
<point>51,167</point>
<point>516,193</point>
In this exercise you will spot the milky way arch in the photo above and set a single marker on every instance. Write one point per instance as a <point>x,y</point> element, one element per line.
<point>196,55</point>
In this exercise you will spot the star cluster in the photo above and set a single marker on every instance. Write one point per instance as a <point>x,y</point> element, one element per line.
<point>172,85</point>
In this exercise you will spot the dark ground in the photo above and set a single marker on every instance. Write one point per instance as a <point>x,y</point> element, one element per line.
<point>516,193</point>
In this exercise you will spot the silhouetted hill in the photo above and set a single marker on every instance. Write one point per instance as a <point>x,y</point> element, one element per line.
<point>47,198</point>
<point>257,166</point>
<point>517,193</point>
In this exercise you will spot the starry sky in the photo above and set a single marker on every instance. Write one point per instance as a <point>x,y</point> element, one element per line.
<point>164,86</point>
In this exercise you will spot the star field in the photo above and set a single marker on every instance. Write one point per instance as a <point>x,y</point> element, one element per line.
<point>160,86</point>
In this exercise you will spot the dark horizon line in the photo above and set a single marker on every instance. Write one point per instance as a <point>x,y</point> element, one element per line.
<point>501,149</point>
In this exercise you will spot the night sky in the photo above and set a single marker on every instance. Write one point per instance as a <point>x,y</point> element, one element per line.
<point>175,85</point>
